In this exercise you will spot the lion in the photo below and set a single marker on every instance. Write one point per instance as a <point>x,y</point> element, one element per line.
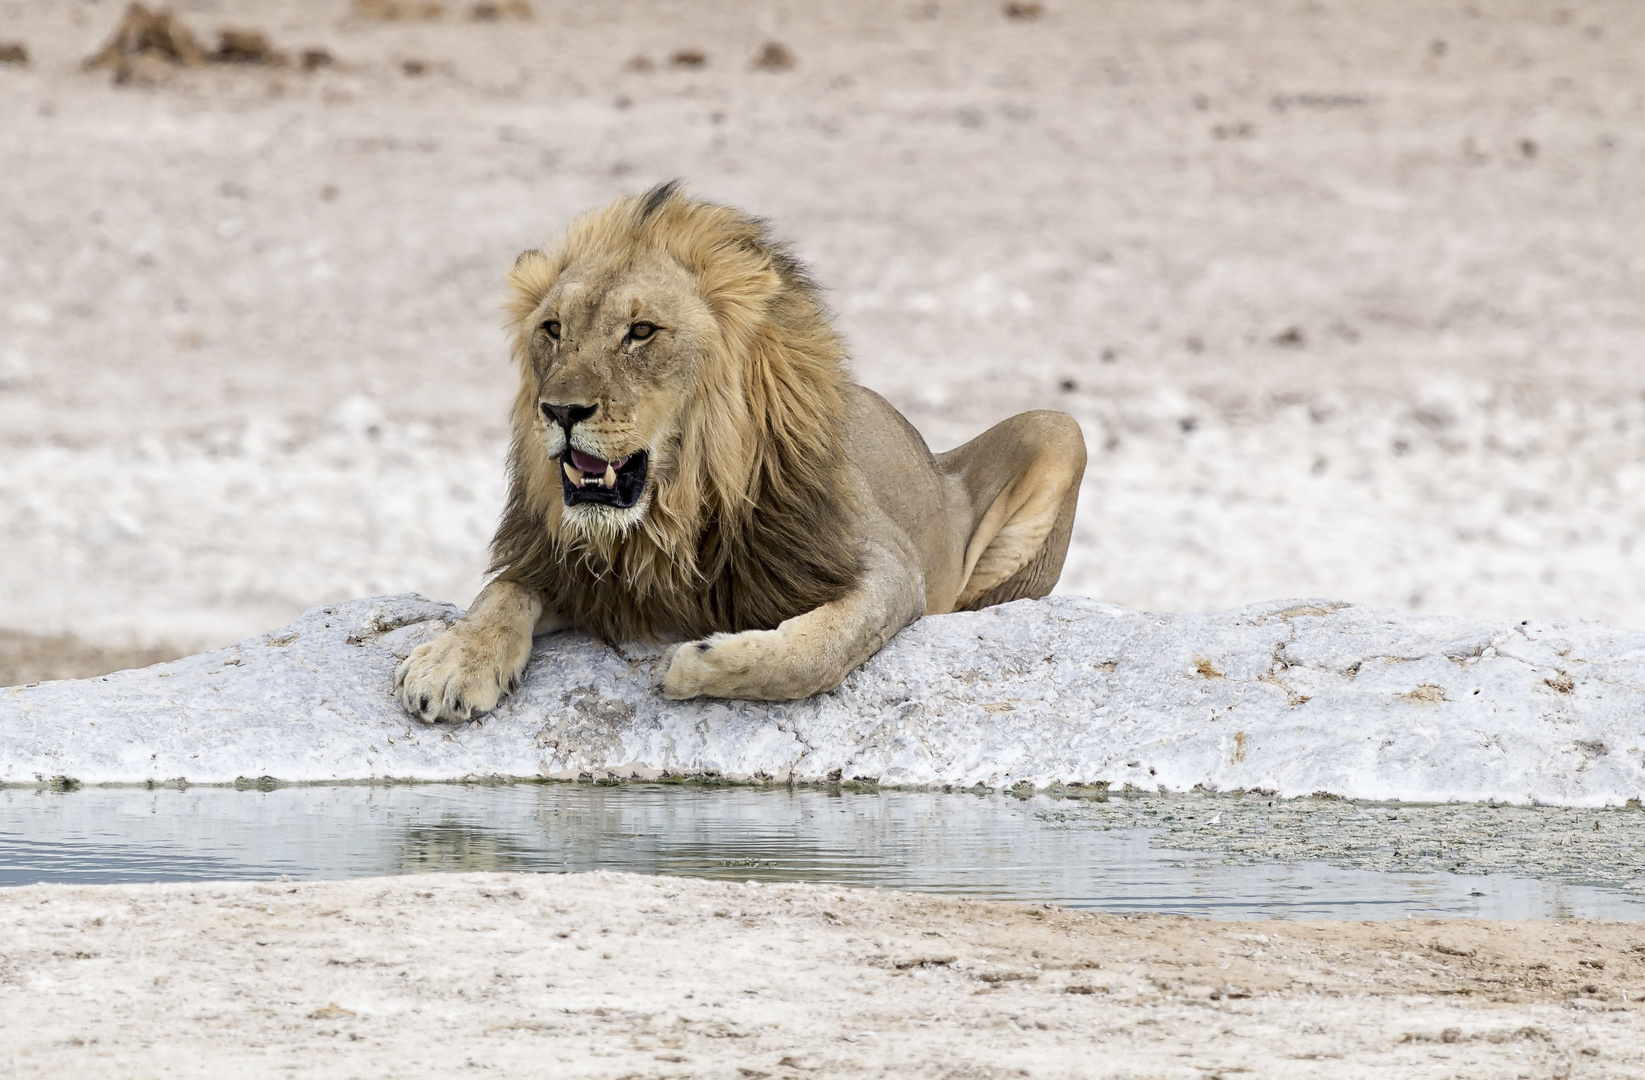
<point>691,463</point>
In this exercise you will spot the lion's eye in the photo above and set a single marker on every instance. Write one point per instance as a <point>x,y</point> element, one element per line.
<point>641,330</point>
<point>552,328</point>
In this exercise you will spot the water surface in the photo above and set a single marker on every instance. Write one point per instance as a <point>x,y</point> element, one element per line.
<point>1228,857</point>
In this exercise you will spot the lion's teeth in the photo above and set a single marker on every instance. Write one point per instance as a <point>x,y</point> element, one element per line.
<point>610,479</point>
<point>572,474</point>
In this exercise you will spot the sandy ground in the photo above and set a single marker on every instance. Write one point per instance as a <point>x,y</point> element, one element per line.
<point>29,657</point>
<point>616,975</point>
<point>1348,297</point>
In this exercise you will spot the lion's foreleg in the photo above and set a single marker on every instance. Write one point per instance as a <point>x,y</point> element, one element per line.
<point>467,670</point>
<point>809,653</point>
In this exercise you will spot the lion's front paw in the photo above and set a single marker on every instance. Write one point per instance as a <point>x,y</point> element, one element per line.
<point>462,673</point>
<point>726,666</point>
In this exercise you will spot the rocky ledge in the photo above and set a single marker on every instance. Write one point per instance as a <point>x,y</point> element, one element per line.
<point>1292,698</point>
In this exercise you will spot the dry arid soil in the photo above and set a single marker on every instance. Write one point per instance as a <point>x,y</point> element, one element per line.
<point>1348,297</point>
<point>618,975</point>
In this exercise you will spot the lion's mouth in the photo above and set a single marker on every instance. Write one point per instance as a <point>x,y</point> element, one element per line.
<point>588,479</point>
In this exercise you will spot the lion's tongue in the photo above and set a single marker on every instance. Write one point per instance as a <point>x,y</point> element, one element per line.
<point>588,463</point>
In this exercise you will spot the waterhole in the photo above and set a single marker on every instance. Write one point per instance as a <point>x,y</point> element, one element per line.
<point>1222,856</point>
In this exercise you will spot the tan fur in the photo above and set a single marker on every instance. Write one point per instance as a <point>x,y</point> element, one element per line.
<point>790,521</point>
<point>751,458</point>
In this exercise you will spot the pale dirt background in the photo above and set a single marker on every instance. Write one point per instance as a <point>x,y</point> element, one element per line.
<point>618,975</point>
<point>1347,296</point>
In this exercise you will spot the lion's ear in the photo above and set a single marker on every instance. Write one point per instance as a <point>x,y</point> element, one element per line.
<point>529,280</point>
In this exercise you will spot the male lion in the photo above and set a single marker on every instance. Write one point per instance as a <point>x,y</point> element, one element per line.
<point>691,462</point>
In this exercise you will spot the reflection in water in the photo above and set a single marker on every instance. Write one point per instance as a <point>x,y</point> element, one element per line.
<point>1109,856</point>
<point>453,844</point>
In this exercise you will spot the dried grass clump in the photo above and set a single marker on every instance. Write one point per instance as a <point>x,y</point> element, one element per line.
<point>498,10</point>
<point>774,56</point>
<point>399,10</point>
<point>148,45</point>
<point>148,37</point>
<point>246,47</point>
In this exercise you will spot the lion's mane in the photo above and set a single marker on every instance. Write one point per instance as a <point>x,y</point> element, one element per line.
<point>751,521</point>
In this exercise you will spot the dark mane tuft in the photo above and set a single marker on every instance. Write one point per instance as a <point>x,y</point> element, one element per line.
<point>653,200</point>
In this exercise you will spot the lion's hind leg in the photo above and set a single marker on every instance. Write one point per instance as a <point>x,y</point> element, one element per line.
<point>1018,483</point>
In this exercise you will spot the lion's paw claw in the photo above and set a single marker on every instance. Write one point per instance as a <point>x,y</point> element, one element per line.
<point>462,673</point>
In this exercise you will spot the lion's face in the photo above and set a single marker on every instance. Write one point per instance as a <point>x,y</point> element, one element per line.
<point>678,431</point>
<point>616,349</point>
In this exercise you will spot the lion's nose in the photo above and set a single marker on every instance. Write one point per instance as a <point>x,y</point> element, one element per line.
<point>566,415</point>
